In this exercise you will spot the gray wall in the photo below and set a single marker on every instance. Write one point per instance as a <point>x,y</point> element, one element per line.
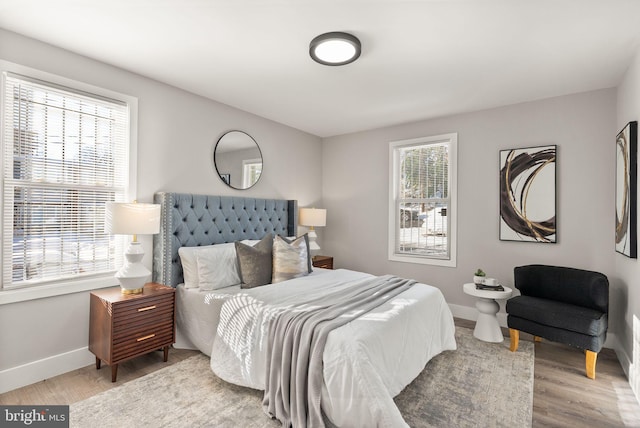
<point>628,270</point>
<point>176,134</point>
<point>583,126</point>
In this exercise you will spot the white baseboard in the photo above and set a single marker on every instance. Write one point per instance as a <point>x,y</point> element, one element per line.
<point>36,371</point>
<point>623,357</point>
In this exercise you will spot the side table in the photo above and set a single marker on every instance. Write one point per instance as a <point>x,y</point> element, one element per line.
<point>124,326</point>
<point>487,327</point>
<point>325,262</point>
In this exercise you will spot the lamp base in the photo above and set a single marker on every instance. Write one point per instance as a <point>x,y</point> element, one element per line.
<point>134,291</point>
<point>133,275</point>
<point>313,245</point>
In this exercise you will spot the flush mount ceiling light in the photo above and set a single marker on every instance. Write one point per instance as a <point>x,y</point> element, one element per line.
<point>335,48</point>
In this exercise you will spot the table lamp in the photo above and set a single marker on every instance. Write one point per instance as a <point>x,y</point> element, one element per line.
<point>132,219</point>
<point>313,217</point>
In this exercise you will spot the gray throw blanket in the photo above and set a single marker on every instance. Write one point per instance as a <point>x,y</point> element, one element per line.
<point>294,377</point>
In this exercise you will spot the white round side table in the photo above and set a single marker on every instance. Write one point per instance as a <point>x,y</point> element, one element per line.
<point>487,327</point>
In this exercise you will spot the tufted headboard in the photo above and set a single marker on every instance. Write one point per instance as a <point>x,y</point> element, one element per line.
<point>190,220</point>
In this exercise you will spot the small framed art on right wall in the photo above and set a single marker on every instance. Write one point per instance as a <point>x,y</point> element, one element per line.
<point>626,190</point>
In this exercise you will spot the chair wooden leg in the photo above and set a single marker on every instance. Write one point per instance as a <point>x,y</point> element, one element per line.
<point>590,360</point>
<point>514,335</point>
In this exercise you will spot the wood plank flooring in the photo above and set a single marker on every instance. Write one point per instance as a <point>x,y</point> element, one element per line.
<point>85,382</point>
<point>563,395</point>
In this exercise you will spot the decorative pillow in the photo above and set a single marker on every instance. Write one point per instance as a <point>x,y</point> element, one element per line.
<point>217,266</point>
<point>254,262</point>
<point>290,239</point>
<point>290,259</point>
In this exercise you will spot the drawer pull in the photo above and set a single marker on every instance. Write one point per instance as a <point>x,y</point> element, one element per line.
<point>148,308</point>
<point>145,338</point>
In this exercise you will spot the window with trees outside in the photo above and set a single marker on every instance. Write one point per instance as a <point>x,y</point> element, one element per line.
<point>422,200</point>
<point>65,154</point>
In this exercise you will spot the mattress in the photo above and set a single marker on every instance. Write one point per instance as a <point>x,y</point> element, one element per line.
<point>198,314</point>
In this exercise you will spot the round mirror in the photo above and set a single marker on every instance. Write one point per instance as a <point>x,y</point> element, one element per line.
<point>238,160</point>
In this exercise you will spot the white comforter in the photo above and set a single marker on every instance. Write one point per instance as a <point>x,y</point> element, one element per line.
<point>366,362</point>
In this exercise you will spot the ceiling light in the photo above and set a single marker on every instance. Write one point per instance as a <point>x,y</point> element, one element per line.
<point>335,48</point>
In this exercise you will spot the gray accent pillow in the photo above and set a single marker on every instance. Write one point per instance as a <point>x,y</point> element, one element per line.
<point>255,262</point>
<point>290,259</point>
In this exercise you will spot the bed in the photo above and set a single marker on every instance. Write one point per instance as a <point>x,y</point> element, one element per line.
<point>366,361</point>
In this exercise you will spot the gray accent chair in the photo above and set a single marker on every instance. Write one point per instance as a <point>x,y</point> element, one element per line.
<point>563,305</point>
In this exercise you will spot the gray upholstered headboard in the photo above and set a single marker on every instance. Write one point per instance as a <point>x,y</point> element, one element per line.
<point>191,220</point>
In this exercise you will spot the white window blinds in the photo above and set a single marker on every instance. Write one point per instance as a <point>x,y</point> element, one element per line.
<point>423,190</point>
<point>422,200</point>
<point>65,153</point>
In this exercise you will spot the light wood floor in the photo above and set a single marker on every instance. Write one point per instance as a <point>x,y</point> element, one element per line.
<point>563,396</point>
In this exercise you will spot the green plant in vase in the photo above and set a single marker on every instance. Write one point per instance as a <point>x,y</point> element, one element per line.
<point>479,276</point>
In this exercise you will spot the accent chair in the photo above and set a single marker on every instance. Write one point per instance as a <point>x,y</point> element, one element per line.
<point>563,305</point>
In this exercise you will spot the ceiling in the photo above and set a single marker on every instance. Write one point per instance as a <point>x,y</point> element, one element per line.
<point>420,59</point>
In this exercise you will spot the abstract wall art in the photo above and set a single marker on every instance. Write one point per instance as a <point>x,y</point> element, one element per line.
<point>626,193</point>
<point>528,194</point>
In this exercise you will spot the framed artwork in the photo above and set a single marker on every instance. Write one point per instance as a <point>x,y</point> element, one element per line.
<point>528,194</point>
<point>626,193</point>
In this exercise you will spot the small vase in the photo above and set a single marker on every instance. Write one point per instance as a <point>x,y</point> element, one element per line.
<point>478,279</point>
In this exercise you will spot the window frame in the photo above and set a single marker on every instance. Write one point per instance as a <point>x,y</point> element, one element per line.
<point>90,282</point>
<point>452,210</point>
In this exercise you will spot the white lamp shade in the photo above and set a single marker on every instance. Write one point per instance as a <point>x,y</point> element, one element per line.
<point>313,217</point>
<point>132,218</point>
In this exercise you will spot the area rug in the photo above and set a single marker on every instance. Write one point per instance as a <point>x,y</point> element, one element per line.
<point>478,385</point>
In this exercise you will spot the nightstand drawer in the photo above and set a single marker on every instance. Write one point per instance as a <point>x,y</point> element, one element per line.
<point>149,314</point>
<point>141,308</point>
<point>141,343</point>
<point>129,328</point>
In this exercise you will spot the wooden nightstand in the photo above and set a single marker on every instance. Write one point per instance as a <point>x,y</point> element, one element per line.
<point>324,262</point>
<point>125,326</point>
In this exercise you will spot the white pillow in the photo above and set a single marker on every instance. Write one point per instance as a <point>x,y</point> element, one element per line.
<point>250,242</point>
<point>218,266</point>
<point>194,275</point>
<point>189,266</point>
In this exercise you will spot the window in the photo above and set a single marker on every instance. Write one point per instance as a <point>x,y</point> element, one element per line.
<point>65,153</point>
<point>251,170</point>
<point>422,200</point>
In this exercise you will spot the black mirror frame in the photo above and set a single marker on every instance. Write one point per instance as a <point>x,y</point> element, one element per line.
<point>224,177</point>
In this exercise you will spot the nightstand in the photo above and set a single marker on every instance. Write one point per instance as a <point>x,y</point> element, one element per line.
<point>125,326</point>
<point>324,262</point>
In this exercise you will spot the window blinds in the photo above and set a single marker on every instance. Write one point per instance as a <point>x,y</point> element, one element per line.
<point>65,153</point>
<point>423,200</point>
